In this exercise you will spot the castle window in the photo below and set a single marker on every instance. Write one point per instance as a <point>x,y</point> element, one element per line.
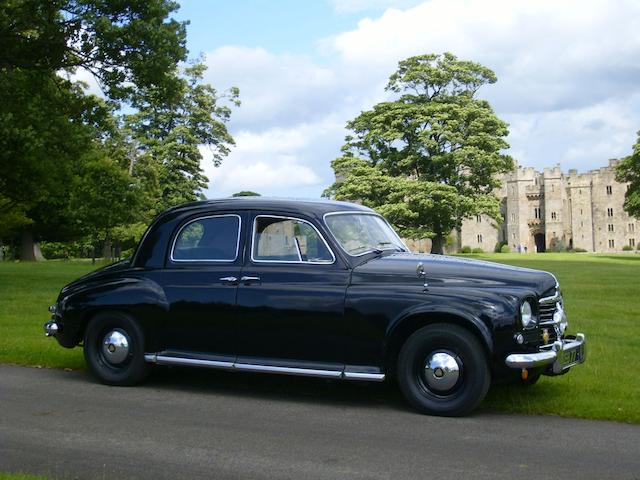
<point>536,213</point>
<point>610,227</point>
<point>609,212</point>
<point>631,227</point>
<point>579,191</point>
<point>554,216</point>
<point>609,189</point>
<point>612,243</point>
<point>513,235</point>
<point>582,224</point>
<point>513,217</point>
<point>479,238</point>
<point>478,218</point>
<point>580,211</point>
<point>632,242</point>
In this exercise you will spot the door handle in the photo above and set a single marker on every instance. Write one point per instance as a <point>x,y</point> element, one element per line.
<point>249,280</point>
<point>229,280</point>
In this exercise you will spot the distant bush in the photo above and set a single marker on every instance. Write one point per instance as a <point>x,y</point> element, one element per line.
<point>627,248</point>
<point>477,250</point>
<point>638,247</point>
<point>465,249</point>
<point>579,250</point>
<point>557,245</point>
<point>51,250</point>
<point>505,249</point>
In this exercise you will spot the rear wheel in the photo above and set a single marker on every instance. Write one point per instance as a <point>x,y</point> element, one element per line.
<point>114,349</point>
<point>443,370</point>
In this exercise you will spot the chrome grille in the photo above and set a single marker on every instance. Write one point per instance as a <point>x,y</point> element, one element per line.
<point>546,311</point>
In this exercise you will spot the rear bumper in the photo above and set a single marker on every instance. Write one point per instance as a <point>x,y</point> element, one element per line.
<point>559,357</point>
<point>51,328</point>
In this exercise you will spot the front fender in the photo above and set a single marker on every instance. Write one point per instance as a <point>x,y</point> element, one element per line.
<point>138,295</point>
<point>491,315</point>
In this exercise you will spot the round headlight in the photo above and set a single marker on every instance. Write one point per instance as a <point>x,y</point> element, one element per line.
<point>526,315</point>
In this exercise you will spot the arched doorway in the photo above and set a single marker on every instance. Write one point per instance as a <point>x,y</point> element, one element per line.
<point>539,239</point>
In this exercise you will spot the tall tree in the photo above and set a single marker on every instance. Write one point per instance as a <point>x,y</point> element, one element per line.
<point>171,135</point>
<point>48,123</point>
<point>434,151</point>
<point>628,170</point>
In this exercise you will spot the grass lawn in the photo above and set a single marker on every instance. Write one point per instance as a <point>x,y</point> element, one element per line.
<point>19,476</point>
<point>26,290</point>
<point>602,299</point>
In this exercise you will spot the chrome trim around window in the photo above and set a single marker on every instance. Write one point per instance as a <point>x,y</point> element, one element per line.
<point>207,260</point>
<point>298,262</point>
<point>355,212</point>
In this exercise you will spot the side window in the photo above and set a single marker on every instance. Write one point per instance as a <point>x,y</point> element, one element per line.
<point>278,239</point>
<point>213,239</point>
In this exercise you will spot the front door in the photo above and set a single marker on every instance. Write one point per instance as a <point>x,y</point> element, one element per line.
<point>201,282</point>
<point>291,296</point>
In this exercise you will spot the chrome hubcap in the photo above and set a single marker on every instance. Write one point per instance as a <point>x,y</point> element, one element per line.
<point>115,347</point>
<point>441,371</point>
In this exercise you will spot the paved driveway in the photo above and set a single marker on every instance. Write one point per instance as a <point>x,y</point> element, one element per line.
<point>203,424</point>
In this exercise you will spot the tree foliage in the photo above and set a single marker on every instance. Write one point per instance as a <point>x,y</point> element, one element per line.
<point>125,45</point>
<point>72,163</point>
<point>246,193</point>
<point>169,136</point>
<point>628,170</point>
<point>428,158</point>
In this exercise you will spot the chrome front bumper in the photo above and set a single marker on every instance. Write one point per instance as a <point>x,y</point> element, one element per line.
<point>560,356</point>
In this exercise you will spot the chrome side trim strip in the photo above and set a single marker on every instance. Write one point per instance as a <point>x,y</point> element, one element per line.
<point>248,367</point>
<point>304,372</point>
<point>194,362</point>
<point>372,377</point>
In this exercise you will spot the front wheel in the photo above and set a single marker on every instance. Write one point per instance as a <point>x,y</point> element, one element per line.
<point>114,349</point>
<point>443,370</point>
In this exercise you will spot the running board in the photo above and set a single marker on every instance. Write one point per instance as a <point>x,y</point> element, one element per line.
<point>343,374</point>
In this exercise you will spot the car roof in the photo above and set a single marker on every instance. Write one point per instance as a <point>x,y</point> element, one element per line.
<point>313,206</point>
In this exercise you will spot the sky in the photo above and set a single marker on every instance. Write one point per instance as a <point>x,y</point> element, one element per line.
<point>568,77</point>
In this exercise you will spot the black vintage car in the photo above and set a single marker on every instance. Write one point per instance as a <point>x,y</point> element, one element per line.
<point>316,288</point>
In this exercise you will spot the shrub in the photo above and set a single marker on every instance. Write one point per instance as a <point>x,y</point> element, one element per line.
<point>627,248</point>
<point>638,247</point>
<point>579,250</point>
<point>498,247</point>
<point>557,245</point>
<point>505,249</point>
<point>477,250</point>
<point>465,249</point>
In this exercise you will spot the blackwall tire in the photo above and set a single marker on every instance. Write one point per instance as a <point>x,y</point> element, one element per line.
<point>443,370</point>
<point>114,349</point>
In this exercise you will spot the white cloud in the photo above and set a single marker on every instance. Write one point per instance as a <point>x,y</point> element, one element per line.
<point>281,161</point>
<point>352,6</point>
<point>567,84</point>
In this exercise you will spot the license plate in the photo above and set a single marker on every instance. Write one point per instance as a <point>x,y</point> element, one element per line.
<point>572,356</point>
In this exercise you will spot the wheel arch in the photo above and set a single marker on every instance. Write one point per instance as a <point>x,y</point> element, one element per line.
<point>409,323</point>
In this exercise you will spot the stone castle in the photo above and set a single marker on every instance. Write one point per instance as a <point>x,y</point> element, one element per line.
<point>544,209</point>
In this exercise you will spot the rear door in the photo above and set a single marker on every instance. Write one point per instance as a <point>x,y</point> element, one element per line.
<point>201,282</point>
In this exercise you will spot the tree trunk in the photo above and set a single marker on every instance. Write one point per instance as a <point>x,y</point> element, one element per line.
<point>30,250</point>
<point>437,244</point>
<point>106,250</point>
